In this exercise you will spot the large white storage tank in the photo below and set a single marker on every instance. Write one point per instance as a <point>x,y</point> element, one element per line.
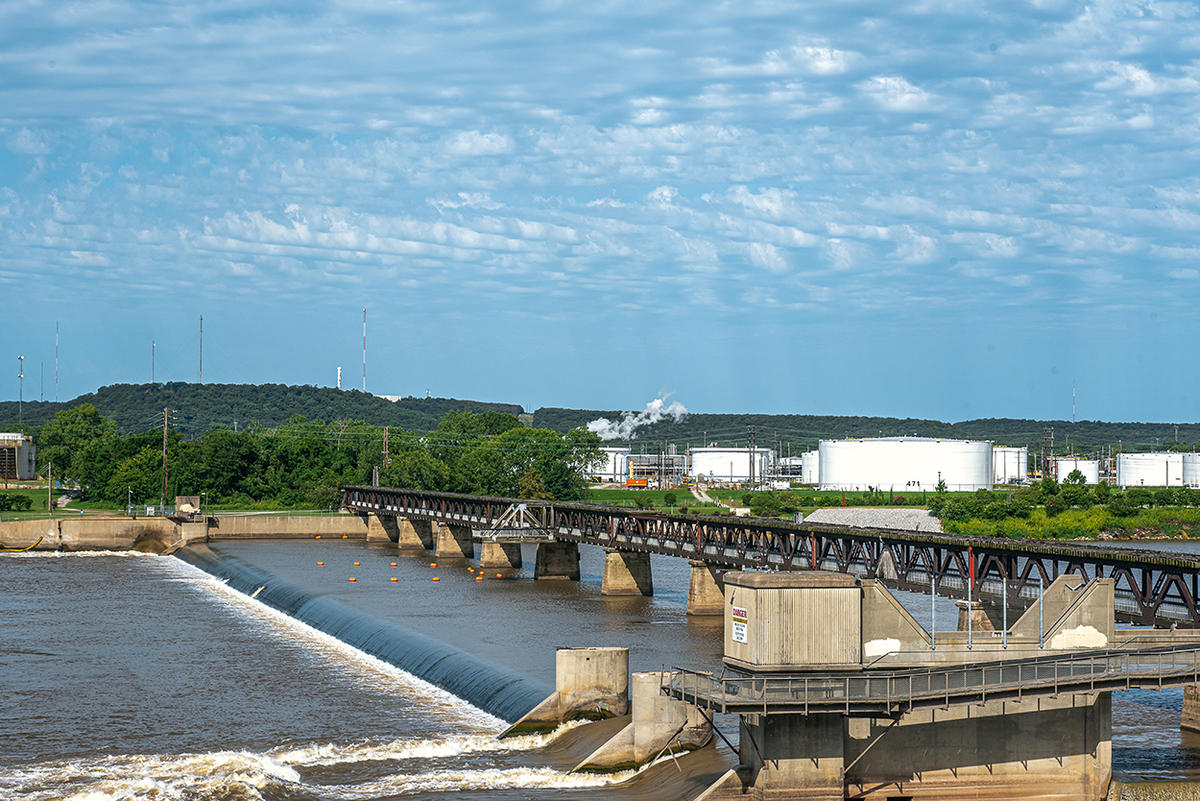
<point>905,463</point>
<point>812,468</point>
<point>615,466</point>
<point>1191,469</point>
<point>728,464</point>
<point>1090,468</point>
<point>1150,469</point>
<point>1010,464</point>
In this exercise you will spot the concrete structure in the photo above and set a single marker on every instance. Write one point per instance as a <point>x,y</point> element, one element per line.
<point>731,465</point>
<point>499,559</point>
<point>1052,746</point>
<point>1010,465</point>
<point>615,467</point>
<point>412,537</point>
<point>790,468</point>
<point>453,543</point>
<point>659,725</point>
<point>1090,468</point>
<point>660,469</point>
<point>18,457</point>
<point>1160,469</point>
<point>626,573</point>
<point>557,560</point>
<point>812,467</point>
<point>706,589</point>
<point>589,684</point>
<point>905,464</point>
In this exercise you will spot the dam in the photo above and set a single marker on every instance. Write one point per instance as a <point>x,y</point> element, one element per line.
<point>515,626</point>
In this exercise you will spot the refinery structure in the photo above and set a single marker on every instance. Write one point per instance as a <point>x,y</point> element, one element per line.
<point>892,464</point>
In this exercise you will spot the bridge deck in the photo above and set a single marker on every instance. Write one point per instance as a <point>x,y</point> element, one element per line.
<point>889,693</point>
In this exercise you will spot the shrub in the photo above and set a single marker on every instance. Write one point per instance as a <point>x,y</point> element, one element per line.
<point>1055,505</point>
<point>1119,505</point>
<point>15,503</point>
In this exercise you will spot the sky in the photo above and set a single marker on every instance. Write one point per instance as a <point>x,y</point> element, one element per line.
<point>932,209</point>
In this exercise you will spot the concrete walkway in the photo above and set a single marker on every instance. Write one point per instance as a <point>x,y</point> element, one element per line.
<point>869,517</point>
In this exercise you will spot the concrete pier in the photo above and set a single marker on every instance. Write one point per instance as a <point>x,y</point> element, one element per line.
<point>557,560</point>
<point>499,559</point>
<point>973,616</point>
<point>626,573</point>
<point>453,542</point>
<point>1189,716</point>
<point>706,593</point>
<point>660,725</point>
<point>589,683</point>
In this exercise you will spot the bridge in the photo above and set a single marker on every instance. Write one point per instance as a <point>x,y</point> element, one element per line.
<point>1151,587</point>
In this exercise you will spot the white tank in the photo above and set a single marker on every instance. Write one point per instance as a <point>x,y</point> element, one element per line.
<point>812,468</point>
<point>1191,469</point>
<point>1089,467</point>
<point>1159,469</point>
<point>1010,465</point>
<point>728,464</point>
<point>905,464</point>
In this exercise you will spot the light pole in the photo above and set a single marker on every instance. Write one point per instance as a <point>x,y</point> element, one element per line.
<point>20,389</point>
<point>204,495</point>
<point>129,502</point>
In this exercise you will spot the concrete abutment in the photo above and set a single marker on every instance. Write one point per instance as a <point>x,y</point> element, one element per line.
<point>706,589</point>
<point>626,573</point>
<point>454,543</point>
<point>500,559</point>
<point>557,560</point>
<point>589,683</point>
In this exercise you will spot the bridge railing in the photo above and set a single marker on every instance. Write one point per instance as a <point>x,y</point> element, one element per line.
<point>893,692</point>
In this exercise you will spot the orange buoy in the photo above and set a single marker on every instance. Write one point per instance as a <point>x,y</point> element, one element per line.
<point>435,578</point>
<point>394,578</point>
<point>318,536</point>
<point>479,578</point>
<point>433,564</point>
<point>393,564</point>
<point>499,576</point>
<point>470,570</point>
<point>345,536</point>
<point>356,564</point>
<point>352,578</point>
<point>320,564</point>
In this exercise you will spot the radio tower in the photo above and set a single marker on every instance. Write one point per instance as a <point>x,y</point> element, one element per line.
<point>364,350</point>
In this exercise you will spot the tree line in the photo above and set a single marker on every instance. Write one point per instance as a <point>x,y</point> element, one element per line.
<point>302,463</point>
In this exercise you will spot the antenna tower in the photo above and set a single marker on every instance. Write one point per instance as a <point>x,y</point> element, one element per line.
<point>56,361</point>
<point>202,349</point>
<point>364,350</point>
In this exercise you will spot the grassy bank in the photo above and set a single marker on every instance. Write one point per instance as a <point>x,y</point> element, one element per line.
<point>1169,522</point>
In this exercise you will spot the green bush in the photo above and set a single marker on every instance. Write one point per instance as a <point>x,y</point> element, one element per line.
<point>1055,504</point>
<point>15,503</point>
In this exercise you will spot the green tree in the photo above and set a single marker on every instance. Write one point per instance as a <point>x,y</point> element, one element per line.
<point>80,442</point>
<point>1049,487</point>
<point>1101,492</point>
<point>1075,477</point>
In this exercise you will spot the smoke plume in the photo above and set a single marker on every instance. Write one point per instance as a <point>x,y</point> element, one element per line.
<point>630,422</point>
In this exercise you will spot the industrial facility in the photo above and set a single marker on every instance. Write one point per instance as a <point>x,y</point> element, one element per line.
<point>1010,465</point>
<point>730,465</point>
<point>905,464</point>
<point>18,457</point>
<point>1162,469</point>
<point>1089,468</point>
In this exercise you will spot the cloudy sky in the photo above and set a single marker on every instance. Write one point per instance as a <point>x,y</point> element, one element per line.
<point>936,209</point>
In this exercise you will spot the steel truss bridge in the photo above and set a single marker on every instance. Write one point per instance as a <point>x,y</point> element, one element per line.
<point>1152,587</point>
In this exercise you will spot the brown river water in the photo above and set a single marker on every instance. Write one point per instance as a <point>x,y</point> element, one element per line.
<point>142,677</point>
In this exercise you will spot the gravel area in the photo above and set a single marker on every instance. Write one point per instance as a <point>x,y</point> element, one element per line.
<point>865,517</point>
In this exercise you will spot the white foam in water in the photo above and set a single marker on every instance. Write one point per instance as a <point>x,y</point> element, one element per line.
<point>216,775</point>
<point>467,714</point>
<point>481,779</point>
<point>77,554</point>
<point>335,754</point>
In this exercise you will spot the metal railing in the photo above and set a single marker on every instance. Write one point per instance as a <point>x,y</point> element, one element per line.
<point>873,693</point>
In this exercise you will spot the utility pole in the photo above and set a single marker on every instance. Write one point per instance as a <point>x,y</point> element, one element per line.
<point>42,390</point>
<point>164,492</point>
<point>202,349</point>
<point>386,437</point>
<point>153,347</point>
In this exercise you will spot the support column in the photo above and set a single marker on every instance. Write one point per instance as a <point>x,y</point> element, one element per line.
<point>979,619</point>
<point>794,757</point>
<point>626,573</point>
<point>423,530</point>
<point>453,542</point>
<point>557,560</point>
<point>589,684</point>
<point>706,589</point>
<point>499,559</point>
<point>400,530</point>
<point>381,529</point>
<point>1189,717</point>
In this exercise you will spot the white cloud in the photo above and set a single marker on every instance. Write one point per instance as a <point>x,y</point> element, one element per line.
<point>894,93</point>
<point>477,143</point>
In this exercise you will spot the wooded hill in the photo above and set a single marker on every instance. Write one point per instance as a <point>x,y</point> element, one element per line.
<point>196,408</point>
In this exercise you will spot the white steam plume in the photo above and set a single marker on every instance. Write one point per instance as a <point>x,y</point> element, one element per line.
<point>630,422</point>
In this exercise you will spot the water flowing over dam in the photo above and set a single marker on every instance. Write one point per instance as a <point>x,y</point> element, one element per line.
<point>497,691</point>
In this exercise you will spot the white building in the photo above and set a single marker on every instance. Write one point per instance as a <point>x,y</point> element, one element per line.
<point>615,467</point>
<point>1010,465</point>
<point>731,465</point>
<point>1161,469</point>
<point>1191,470</point>
<point>909,464</point>
<point>812,467</point>
<point>1064,465</point>
<point>18,457</point>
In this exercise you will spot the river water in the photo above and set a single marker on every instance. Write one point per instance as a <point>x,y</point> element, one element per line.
<point>130,677</point>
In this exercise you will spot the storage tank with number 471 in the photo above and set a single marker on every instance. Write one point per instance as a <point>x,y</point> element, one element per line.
<point>905,464</point>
